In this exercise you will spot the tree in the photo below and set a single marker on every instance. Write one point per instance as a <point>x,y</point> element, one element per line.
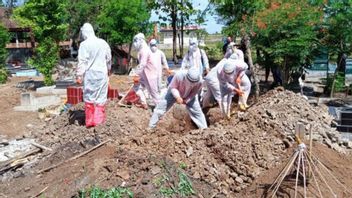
<point>48,19</point>
<point>286,34</point>
<point>4,38</point>
<point>82,11</point>
<point>337,30</point>
<point>119,21</point>
<point>178,11</point>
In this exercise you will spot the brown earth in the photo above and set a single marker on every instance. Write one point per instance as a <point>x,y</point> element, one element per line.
<point>232,158</point>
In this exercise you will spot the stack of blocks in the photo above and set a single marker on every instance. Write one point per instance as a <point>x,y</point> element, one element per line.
<point>75,94</point>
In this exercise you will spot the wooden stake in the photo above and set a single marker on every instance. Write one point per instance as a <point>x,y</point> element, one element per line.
<point>73,158</point>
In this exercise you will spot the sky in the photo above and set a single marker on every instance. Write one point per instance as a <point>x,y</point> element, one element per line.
<point>211,26</point>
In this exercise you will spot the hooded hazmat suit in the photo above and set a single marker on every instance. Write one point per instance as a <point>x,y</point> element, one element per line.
<point>147,70</point>
<point>94,63</point>
<point>228,83</point>
<point>159,59</point>
<point>234,52</point>
<point>185,85</point>
<point>195,57</point>
<point>213,86</point>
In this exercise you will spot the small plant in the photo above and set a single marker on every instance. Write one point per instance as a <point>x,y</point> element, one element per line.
<point>182,165</point>
<point>167,192</point>
<point>97,192</point>
<point>185,187</point>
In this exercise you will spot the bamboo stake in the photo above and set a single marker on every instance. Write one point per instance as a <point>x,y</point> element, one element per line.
<point>297,173</point>
<point>314,178</point>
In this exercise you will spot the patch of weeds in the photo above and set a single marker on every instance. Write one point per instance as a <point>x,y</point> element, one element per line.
<point>170,184</point>
<point>167,192</point>
<point>185,187</point>
<point>97,192</point>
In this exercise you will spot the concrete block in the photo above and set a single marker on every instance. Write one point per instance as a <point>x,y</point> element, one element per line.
<point>45,90</point>
<point>26,99</point>
<point>35,103</point>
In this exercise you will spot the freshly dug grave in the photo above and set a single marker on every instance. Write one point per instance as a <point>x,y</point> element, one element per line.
<point>221,160</point>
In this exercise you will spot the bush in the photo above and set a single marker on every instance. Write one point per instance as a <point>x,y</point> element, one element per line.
<point>4,38</point>
<point>45,59</point>
<point>214,52</point>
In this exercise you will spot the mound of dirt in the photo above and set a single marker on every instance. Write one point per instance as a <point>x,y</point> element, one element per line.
<point>227,157</point>
<point>285,109</point>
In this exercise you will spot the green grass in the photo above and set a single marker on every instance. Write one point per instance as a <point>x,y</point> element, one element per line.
<point>97,192</point>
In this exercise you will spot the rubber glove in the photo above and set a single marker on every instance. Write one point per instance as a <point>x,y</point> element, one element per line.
<point>179,100</point>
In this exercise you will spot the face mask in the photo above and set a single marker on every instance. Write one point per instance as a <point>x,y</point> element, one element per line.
<point>137,43</point>
<point>153,48</point>
<point>192,48</point>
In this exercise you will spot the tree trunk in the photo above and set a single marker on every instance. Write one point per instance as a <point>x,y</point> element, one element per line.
<point>174,32</point>
<point>245,43</point>
<point>129,63</point>
<point>182,26</point>
<point>341,67</point>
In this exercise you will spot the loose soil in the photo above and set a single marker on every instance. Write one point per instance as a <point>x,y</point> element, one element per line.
<point>239,157</point>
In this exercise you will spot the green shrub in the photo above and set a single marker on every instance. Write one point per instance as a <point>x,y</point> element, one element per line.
<point>45,59</point>
<point>4,38</point>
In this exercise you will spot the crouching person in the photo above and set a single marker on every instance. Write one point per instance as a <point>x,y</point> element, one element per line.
<point>94,64</point>
<point>183,89</point>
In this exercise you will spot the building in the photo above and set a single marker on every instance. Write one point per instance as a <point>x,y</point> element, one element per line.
<point>166,35</point>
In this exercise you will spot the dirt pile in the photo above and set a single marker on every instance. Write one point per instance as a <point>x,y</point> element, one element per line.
<point>285,109</point>
<point>228,156</point>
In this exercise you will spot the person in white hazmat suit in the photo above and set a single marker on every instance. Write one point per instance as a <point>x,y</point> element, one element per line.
<point>159,59</point>
<point>230,77</point>
<point>94,65</point>
<point>195,57</point>
<point>213,86</point>
<point>147,71</point>
<point>183,89</point>
<point>233,51</point>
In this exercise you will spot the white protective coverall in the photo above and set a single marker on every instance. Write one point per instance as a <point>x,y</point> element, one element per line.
<point>147,70</point>
<point>234,52</point>
<point>94,63</point>
<point>195,57</point>
<point>185,85</point>
<point>159,59</point>
<point>213,86</point>
<point>228,84</point>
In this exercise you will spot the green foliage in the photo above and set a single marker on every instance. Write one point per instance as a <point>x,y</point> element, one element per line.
<point>339,83</point>
<point>185,187</point>
<point>214,52</point>
<point>49,21</point>
<point>82,11</point>
<point>48,18</point>
<point>97,192</point>
<point>337,28</point>
<point>4,38</point>
<point>119,21</point>
<point>45,59</point>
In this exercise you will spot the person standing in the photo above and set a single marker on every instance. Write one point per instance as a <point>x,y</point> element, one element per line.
<point>147,71</point>
<point>94,65</point>
<point>160,61</point>
<point>183,89</point>
<point>195,57</point>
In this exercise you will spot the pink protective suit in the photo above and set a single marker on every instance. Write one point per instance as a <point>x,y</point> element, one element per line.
<point>148,73</point>
<point>159,59</point>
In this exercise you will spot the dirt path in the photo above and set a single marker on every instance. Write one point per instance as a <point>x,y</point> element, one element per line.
<point>14,123</point>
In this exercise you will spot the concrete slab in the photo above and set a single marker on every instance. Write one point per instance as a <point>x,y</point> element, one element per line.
<point>32,103</point>
<point>51,90</point>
